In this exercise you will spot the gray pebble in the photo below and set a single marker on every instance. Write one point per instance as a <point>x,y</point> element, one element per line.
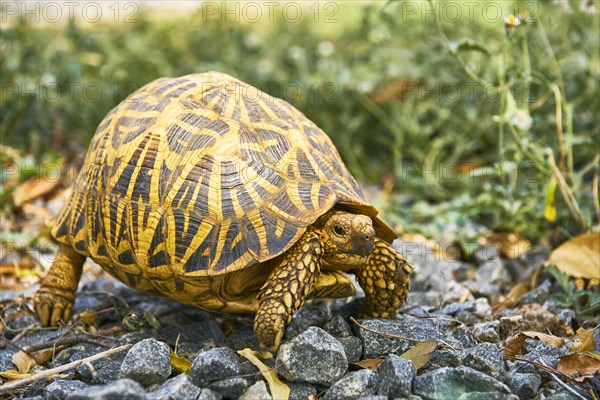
<point>486,253</point>
<point>208,394</point>
<point>448,383</point>
<point>537,296</point>
<point>443,358</point>
<point>230,388</point>
<point>352,347</point>
<point>314,356</point>
<point>6,360</point>
<point>375,344</point>
<point>301,390</point>
<point>147,362</point>
<point>243,337</point>
<point>123,389</point>
<point>59,389</point>
<point>353,385</point>
<point>487,332</point>
<point>396,376</point>
<point>258,391</point>
<point>315,313</point>
<point>525,385</point>
<point>180,387</point>
<point>338,327</point>
<point>486,358</point>
<point>493,271</point>
<point>102,371</point>
<point>215,364</point>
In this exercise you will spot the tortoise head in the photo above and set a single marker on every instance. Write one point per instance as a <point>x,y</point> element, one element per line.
<point>348,239</point>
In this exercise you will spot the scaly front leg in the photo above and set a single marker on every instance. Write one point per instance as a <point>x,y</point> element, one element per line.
<point>54,300</point>
<point>385,280</point>
<point>286,289</point>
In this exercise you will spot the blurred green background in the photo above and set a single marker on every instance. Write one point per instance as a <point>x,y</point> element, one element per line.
<point>449,109</point>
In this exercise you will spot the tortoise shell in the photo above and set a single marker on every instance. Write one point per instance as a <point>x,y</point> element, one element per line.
<point>203,175</point>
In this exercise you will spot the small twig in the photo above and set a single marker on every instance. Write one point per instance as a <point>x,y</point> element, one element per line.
<point>566,190</point>
<point>570,389</point>
<point>70,339</point>
<point>8,387</point>
<point>538,365</point>
<point>384,333</point>
<point>20,335</point>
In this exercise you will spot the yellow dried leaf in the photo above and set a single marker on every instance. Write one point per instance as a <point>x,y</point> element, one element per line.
<point>23,361</point>
<point>584,340</point>
<point>518,291</point>
<point>514,344</point>
<point>88,317</point>
<point>14,375</point>
<point>279,390</point>
<point>371,363</point>
<point>420,353</point>
<point>465,296</point>
<point>578,366</point>
<point>510,245</point>
<point>180,363</point>
<point>579,256</point>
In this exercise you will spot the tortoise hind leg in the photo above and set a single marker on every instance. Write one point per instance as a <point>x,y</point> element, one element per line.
<point>287,287</point>
<point>54,300</point>
<point>386,281</point>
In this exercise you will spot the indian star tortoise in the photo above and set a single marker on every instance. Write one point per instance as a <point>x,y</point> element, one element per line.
<point>205,190</point>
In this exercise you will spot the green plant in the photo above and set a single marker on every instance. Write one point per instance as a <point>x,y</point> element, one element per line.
<point>586,303</point>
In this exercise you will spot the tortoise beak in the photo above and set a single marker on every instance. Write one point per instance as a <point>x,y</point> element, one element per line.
<point>363,242</point>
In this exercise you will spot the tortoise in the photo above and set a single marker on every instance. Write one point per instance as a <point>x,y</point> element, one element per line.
<point>207,191</point>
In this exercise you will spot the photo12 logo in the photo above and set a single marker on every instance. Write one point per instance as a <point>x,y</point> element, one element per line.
<point>465,11</point>
<point>69,11</point>
<point>269,11</point>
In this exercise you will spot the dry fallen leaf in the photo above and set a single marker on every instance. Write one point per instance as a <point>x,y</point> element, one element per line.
<point>579,256</point>
<point>514,344</point>
<point>88,317</point>
<point>510,245</point>
<point>279,390</point>
<point>371,363</point>
<point>579,366</point>
<point>420,353</point>
<point>14,375</point>
<point>515,294</point>
<point>584,340</point>
<point>23,361</point>
<point>32,189</point>
<point>180,363</point>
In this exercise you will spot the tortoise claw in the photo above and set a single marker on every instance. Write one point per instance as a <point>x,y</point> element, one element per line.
<point>52,307</point>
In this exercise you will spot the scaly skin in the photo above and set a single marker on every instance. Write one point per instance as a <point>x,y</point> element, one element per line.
<point>385,280</point>
<point>54,301</point>
<point>286,289</point>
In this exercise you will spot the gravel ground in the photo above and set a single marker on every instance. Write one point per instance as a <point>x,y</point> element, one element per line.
<point>449,302</point>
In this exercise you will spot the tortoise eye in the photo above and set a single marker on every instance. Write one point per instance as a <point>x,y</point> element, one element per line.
<point>339,230</point>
